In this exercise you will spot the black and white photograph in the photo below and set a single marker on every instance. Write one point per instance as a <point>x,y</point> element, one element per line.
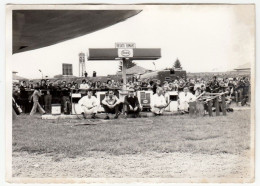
<point>158,93</point>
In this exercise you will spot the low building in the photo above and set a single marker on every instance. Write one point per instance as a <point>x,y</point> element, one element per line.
<point>17,78</point>
<point>135,70</point>
<point>245,67</point>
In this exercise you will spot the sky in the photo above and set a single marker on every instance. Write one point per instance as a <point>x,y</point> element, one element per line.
<point>204,38</point>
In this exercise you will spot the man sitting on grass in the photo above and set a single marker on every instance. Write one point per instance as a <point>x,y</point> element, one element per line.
<point>89,105</point>
<point>132,104</point>
<point>112,105</point>
<point>158,102</point>
<point>184,98</point>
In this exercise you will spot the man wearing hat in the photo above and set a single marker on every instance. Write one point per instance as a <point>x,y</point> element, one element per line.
<point>132,104</point>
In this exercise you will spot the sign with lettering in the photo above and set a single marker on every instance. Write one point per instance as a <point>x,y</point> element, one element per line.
<point>125,53</point>
<point>125,45</point>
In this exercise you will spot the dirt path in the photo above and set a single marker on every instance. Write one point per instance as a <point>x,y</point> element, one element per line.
<point>149,165</point>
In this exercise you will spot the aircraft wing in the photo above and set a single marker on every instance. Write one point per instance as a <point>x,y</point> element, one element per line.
<point>33,29</point>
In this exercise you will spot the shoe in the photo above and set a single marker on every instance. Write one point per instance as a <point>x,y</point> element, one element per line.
<point>84,116</point>
<point>93,117</point>
<point>107,117</point>
<point>116,116</point>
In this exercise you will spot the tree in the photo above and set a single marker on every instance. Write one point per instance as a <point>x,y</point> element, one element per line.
<point>129,64</point>
<point>177,64</point>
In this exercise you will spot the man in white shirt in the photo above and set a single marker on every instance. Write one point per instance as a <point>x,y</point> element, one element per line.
<point>158,102</point>
<point>88,105</point>
<point>84,85</point>
<point>184,98</point>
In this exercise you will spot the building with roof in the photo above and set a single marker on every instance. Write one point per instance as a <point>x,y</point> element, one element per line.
<point>244,67</point>
<point>17,78</point>
<point>135,70</point>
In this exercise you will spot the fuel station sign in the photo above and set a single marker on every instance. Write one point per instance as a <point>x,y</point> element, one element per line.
<point>125,52</point>
<point>125,45</point>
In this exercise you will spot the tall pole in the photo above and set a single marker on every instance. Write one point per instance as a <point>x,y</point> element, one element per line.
<point>41,72</point>
<point>82,67</point>
<point>124,73</point>
<point>79,68</point>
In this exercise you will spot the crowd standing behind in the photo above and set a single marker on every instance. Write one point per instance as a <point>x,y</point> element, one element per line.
<point>40,95</point>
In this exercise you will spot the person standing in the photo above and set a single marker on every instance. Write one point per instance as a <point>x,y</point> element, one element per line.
<point>214,85</point>
<point>65,95</point>
<point>35,98</point>
<point>85,74</point>
<point>156,85</point>
<point>48,96</point>
<point>88,105</point>
<point>24,97</point>
<point>84,85</point>
<point>132,104</point>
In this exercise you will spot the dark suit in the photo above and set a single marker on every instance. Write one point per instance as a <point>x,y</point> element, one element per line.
<point>134,102</point>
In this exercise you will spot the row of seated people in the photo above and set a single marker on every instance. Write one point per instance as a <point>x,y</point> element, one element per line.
<point>131,105</point>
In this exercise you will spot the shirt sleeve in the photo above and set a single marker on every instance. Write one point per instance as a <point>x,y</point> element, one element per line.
<point>164,100</point>
<point>152,101</point>
<point>137,102</point>
<point>95,101</point>
<point>38,94</point>
<point>81,101</point>
<point>125,101</point>
<point>117,101</point>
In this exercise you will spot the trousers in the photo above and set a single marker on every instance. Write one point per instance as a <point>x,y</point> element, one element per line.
<point>89,111</point>
<point>47,103</point>
<point>36,105</point>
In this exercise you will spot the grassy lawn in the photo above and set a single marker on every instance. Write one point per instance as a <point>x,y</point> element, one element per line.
<point>210,135</point>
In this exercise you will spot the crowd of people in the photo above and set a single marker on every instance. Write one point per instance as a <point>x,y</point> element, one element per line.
<point>31,96</point>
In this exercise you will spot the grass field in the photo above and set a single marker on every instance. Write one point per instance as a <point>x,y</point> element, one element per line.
<point>64,139</point>
<point>211,135</point>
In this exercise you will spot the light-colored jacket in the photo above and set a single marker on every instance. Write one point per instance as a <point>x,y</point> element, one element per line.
<point>36,95</point>
<point>158,100</point>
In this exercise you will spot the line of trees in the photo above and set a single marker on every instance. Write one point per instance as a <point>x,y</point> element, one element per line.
<point>130,64</point>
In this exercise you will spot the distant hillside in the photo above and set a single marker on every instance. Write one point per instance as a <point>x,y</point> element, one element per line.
<point>223,74</point>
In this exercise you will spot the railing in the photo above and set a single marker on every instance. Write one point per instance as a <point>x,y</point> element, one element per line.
<point>212,99</point>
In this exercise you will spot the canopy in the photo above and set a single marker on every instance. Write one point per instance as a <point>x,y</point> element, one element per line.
<point>33,29</point>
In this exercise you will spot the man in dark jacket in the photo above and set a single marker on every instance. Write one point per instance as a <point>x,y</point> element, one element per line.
<point>132,104</point>
<point>214,85</point>
<point>48,96</point>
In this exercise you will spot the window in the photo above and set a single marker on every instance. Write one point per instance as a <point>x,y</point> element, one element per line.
<point>173,97</point>
<point>66,69</point>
